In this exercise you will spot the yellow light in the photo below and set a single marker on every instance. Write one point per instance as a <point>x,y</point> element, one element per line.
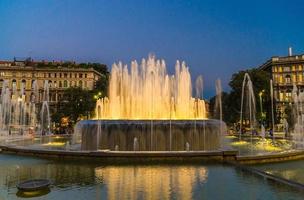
<point>230,136</point>
<point>54,144</point>
<point>239,143</point>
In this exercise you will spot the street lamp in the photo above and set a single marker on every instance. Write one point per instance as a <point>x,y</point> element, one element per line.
<point>261,105</point>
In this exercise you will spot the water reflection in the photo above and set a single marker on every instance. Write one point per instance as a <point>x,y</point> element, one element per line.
<point>114,182</point>
<point>151,182</point>
<point>83,180</point>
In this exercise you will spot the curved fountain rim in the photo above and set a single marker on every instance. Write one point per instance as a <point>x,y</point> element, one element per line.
<point>223,156</point>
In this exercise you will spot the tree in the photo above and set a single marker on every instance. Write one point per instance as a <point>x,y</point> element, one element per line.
<point>232,100</point>
<point>76,103</point>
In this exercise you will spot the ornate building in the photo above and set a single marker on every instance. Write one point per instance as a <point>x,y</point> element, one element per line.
<point>22,73</point>
<point>285,72</point>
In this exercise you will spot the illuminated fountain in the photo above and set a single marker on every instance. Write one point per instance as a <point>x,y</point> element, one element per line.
<point>45,119</point>
<point>149,110</point>
<point>16,115</point>
<point>248,112</point>
<point>298,112</point>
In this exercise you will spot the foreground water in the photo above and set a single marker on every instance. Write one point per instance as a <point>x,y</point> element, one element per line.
<point>293,170</point>
<point>78,180</point>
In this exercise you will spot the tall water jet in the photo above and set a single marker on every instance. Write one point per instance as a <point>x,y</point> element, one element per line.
<point>250,104</point>
<point>199,95</point>
<point>45,118</point>
<point>145,92</point>
<point>218,100</point>
<point>298,114</point>
<point>272,109</point>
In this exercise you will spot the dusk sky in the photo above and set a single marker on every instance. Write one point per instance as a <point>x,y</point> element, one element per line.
<point>215,38</point>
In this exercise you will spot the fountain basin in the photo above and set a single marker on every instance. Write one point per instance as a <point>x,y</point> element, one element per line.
<point>150,135</point>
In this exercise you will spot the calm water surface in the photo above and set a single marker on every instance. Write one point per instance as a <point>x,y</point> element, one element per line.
<point>80,180</point>
<point>292,170</point>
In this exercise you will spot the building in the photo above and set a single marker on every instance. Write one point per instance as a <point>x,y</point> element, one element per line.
<point>59,75</point>
<point>285,72</point>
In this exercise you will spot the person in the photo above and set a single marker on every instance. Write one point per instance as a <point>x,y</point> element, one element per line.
<point>271,132</point>
<point>285,124</point>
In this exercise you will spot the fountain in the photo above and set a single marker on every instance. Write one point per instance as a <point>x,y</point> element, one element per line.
<point>18,115</point>
<point>45,119</point>
<point>247,89</point>
<point>155,108</point>
<point>298,112</point>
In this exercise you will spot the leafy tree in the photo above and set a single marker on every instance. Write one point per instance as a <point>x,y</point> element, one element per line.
<point>76,103</point>
<point>232,101</point>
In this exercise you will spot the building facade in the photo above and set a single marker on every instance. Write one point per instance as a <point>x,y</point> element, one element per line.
<point>285,73</point>
<point>23,73</point>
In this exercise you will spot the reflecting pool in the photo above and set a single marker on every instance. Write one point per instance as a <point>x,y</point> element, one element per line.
<point>293,170</point>
<point>83,180</point>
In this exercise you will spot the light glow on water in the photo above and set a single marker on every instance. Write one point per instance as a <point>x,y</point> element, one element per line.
<point>54,144</point>
<point>239,143</point>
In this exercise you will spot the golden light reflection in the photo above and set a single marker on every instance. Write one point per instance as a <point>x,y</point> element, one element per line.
<point>239,143</point>
<point>151,182</point>
<point>267,145</point>
<point>230,137</point>
<point>54,144</point>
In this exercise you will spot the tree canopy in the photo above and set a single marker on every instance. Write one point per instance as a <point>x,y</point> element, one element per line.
<point>232,100</point>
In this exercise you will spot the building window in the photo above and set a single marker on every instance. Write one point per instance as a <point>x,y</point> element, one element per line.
<point>50,75</point>
<point>55,84</point>
<point>300,77</point>
<point>281,96</point>
<point>80,75</point>
<point>1,83</point>
<point>60,75</point>
<point>293,68</point>
<point>23,84</point>
<point>65,83</point>
<point>280,69</point>
<point>70,75</point>
<point>14,83</point>
<point>75,75</point>
<point>288,95</point>
<point>300,68</point>
<point>50,83</point>
<point>287,79</point>
<point>65,75</point>
<point>286,69</point>
<point>294,78</point>
<point>85,75</point>
<point>55,75</point>
<point>80,84</point>
<point>60,84</point>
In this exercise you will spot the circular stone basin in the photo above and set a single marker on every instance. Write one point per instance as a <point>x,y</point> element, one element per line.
<point>34,185</point>
<point>150,135</point>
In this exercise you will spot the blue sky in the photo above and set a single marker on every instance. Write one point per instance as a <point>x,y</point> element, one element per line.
<point>215,38</point>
